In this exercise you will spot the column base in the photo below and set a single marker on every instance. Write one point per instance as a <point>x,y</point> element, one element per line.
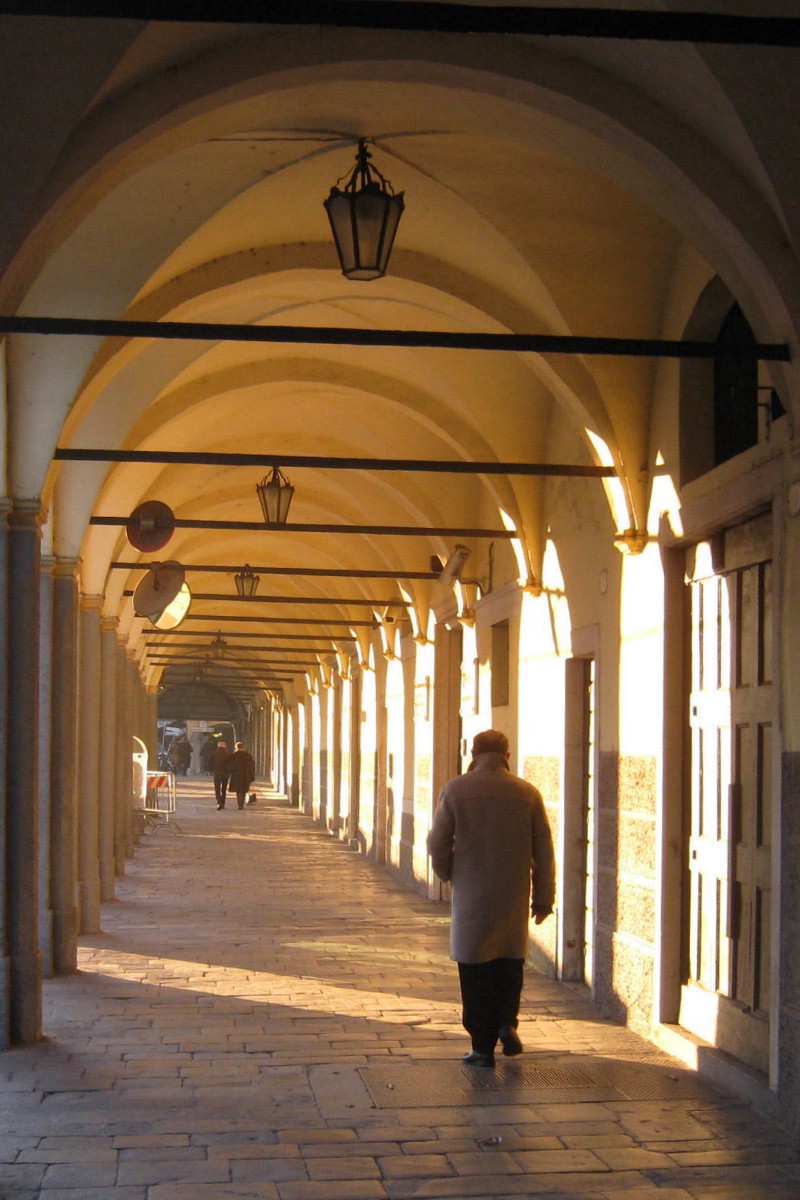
<point>65,942</point>
<point>107,885</point>
<point>89,905</point>
<point>5,1003</point>
<point>26,1000</point>
<point>46,942</point>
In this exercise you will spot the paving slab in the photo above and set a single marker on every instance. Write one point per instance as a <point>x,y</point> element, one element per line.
<point>268,1016</point>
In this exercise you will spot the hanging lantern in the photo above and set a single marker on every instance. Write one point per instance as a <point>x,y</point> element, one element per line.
<point>246,581</point>
<point>364,216</point>
<point>275,493</point>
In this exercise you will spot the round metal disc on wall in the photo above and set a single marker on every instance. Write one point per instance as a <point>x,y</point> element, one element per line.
<point>158,589</point>
<point>171,616</point>
<point>150,526</point>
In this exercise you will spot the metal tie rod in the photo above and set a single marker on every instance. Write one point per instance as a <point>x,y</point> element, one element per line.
<point>331,572</point>
<point>337,335</point>
<point>341,601</point>
<point>505,20</point>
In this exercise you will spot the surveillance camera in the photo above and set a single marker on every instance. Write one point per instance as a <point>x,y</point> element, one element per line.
<point>452,569</point>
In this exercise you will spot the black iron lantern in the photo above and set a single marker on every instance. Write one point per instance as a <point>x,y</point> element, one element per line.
<point>218,647</point>
<point>364,216</point>
<point>275,493</point>
<point>246,581</point>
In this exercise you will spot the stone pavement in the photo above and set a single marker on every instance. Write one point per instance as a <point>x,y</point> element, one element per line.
<point>268,1016</point>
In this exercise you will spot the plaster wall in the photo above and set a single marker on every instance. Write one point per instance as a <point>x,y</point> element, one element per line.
<point>424,798</point>
<point>395,754</point>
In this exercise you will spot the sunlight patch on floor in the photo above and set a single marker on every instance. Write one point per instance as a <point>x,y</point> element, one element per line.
<point>290,991</point>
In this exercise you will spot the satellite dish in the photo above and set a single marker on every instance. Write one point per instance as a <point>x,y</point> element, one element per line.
<point>150,526</point>
<point>158,589</point>
<point>175,611</point>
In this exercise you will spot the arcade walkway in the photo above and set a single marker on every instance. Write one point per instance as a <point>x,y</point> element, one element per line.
<point>268,1016</point>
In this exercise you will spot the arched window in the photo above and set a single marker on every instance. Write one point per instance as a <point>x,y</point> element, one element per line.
<point>735,390</point>
<point>719,398</point>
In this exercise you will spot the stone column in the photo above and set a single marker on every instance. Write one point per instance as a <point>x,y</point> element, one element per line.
<point>341,753</point>
<point>150,736</point>
<point>123,776</point>
<point>5,962</point>
<point>354,734</point>
<point>43,765</point>
<point>133,694</point>
<point>22,800</point>
<point>270,740</point>
<point>63,763</point>
<point>89,763</point>
<point>255,727</point>
<point>108,755</point>
<point>298,744</point>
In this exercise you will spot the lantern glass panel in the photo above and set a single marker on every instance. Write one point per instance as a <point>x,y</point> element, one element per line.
<point>364,225</point>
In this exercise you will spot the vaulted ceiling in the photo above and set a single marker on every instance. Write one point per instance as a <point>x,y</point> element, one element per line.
<point>550,187</point>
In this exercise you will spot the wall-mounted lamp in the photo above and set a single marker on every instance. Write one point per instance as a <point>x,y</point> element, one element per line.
<point>364,216</point>
<point>246,581</point>
<point>275,493</point>
<point>218,647</point>
<point>450,572</point>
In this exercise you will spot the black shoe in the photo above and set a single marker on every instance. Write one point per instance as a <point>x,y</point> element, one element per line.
<point>511,1043</point>
<point>219,806</point>
<point>475,1059</point>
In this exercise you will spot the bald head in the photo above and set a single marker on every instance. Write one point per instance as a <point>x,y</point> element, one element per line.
<point>491,741</point>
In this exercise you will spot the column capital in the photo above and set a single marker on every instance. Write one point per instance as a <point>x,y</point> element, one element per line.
<point>65,568</point>
<point>90,603</point>
<point>109,624</point>
<point>25,515</point>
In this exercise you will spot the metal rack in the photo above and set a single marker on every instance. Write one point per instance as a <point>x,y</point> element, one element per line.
<point>160,802</point>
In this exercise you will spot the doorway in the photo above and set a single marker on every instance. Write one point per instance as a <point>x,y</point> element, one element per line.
<point>578,884</point>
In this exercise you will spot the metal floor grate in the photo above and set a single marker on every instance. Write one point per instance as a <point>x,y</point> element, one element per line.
<point>442,1084</point>
<point>527,1075</point>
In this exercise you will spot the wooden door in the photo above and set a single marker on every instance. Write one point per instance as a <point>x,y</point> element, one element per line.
<point>725,999</point>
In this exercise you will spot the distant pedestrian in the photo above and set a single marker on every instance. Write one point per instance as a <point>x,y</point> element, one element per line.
<point>180,755</point>
<point>207,748</point>
<point>242,770</point>
<point>218,764</point>
<point>490,834</point>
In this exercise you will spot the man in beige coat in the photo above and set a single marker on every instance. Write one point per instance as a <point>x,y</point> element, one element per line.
<point>490,838</point>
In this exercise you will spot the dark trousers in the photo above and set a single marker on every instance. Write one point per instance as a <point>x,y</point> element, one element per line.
<point>490,996</point>
<point>220,788</point>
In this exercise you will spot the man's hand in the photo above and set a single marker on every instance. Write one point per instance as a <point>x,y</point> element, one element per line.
<point>540,914</point>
